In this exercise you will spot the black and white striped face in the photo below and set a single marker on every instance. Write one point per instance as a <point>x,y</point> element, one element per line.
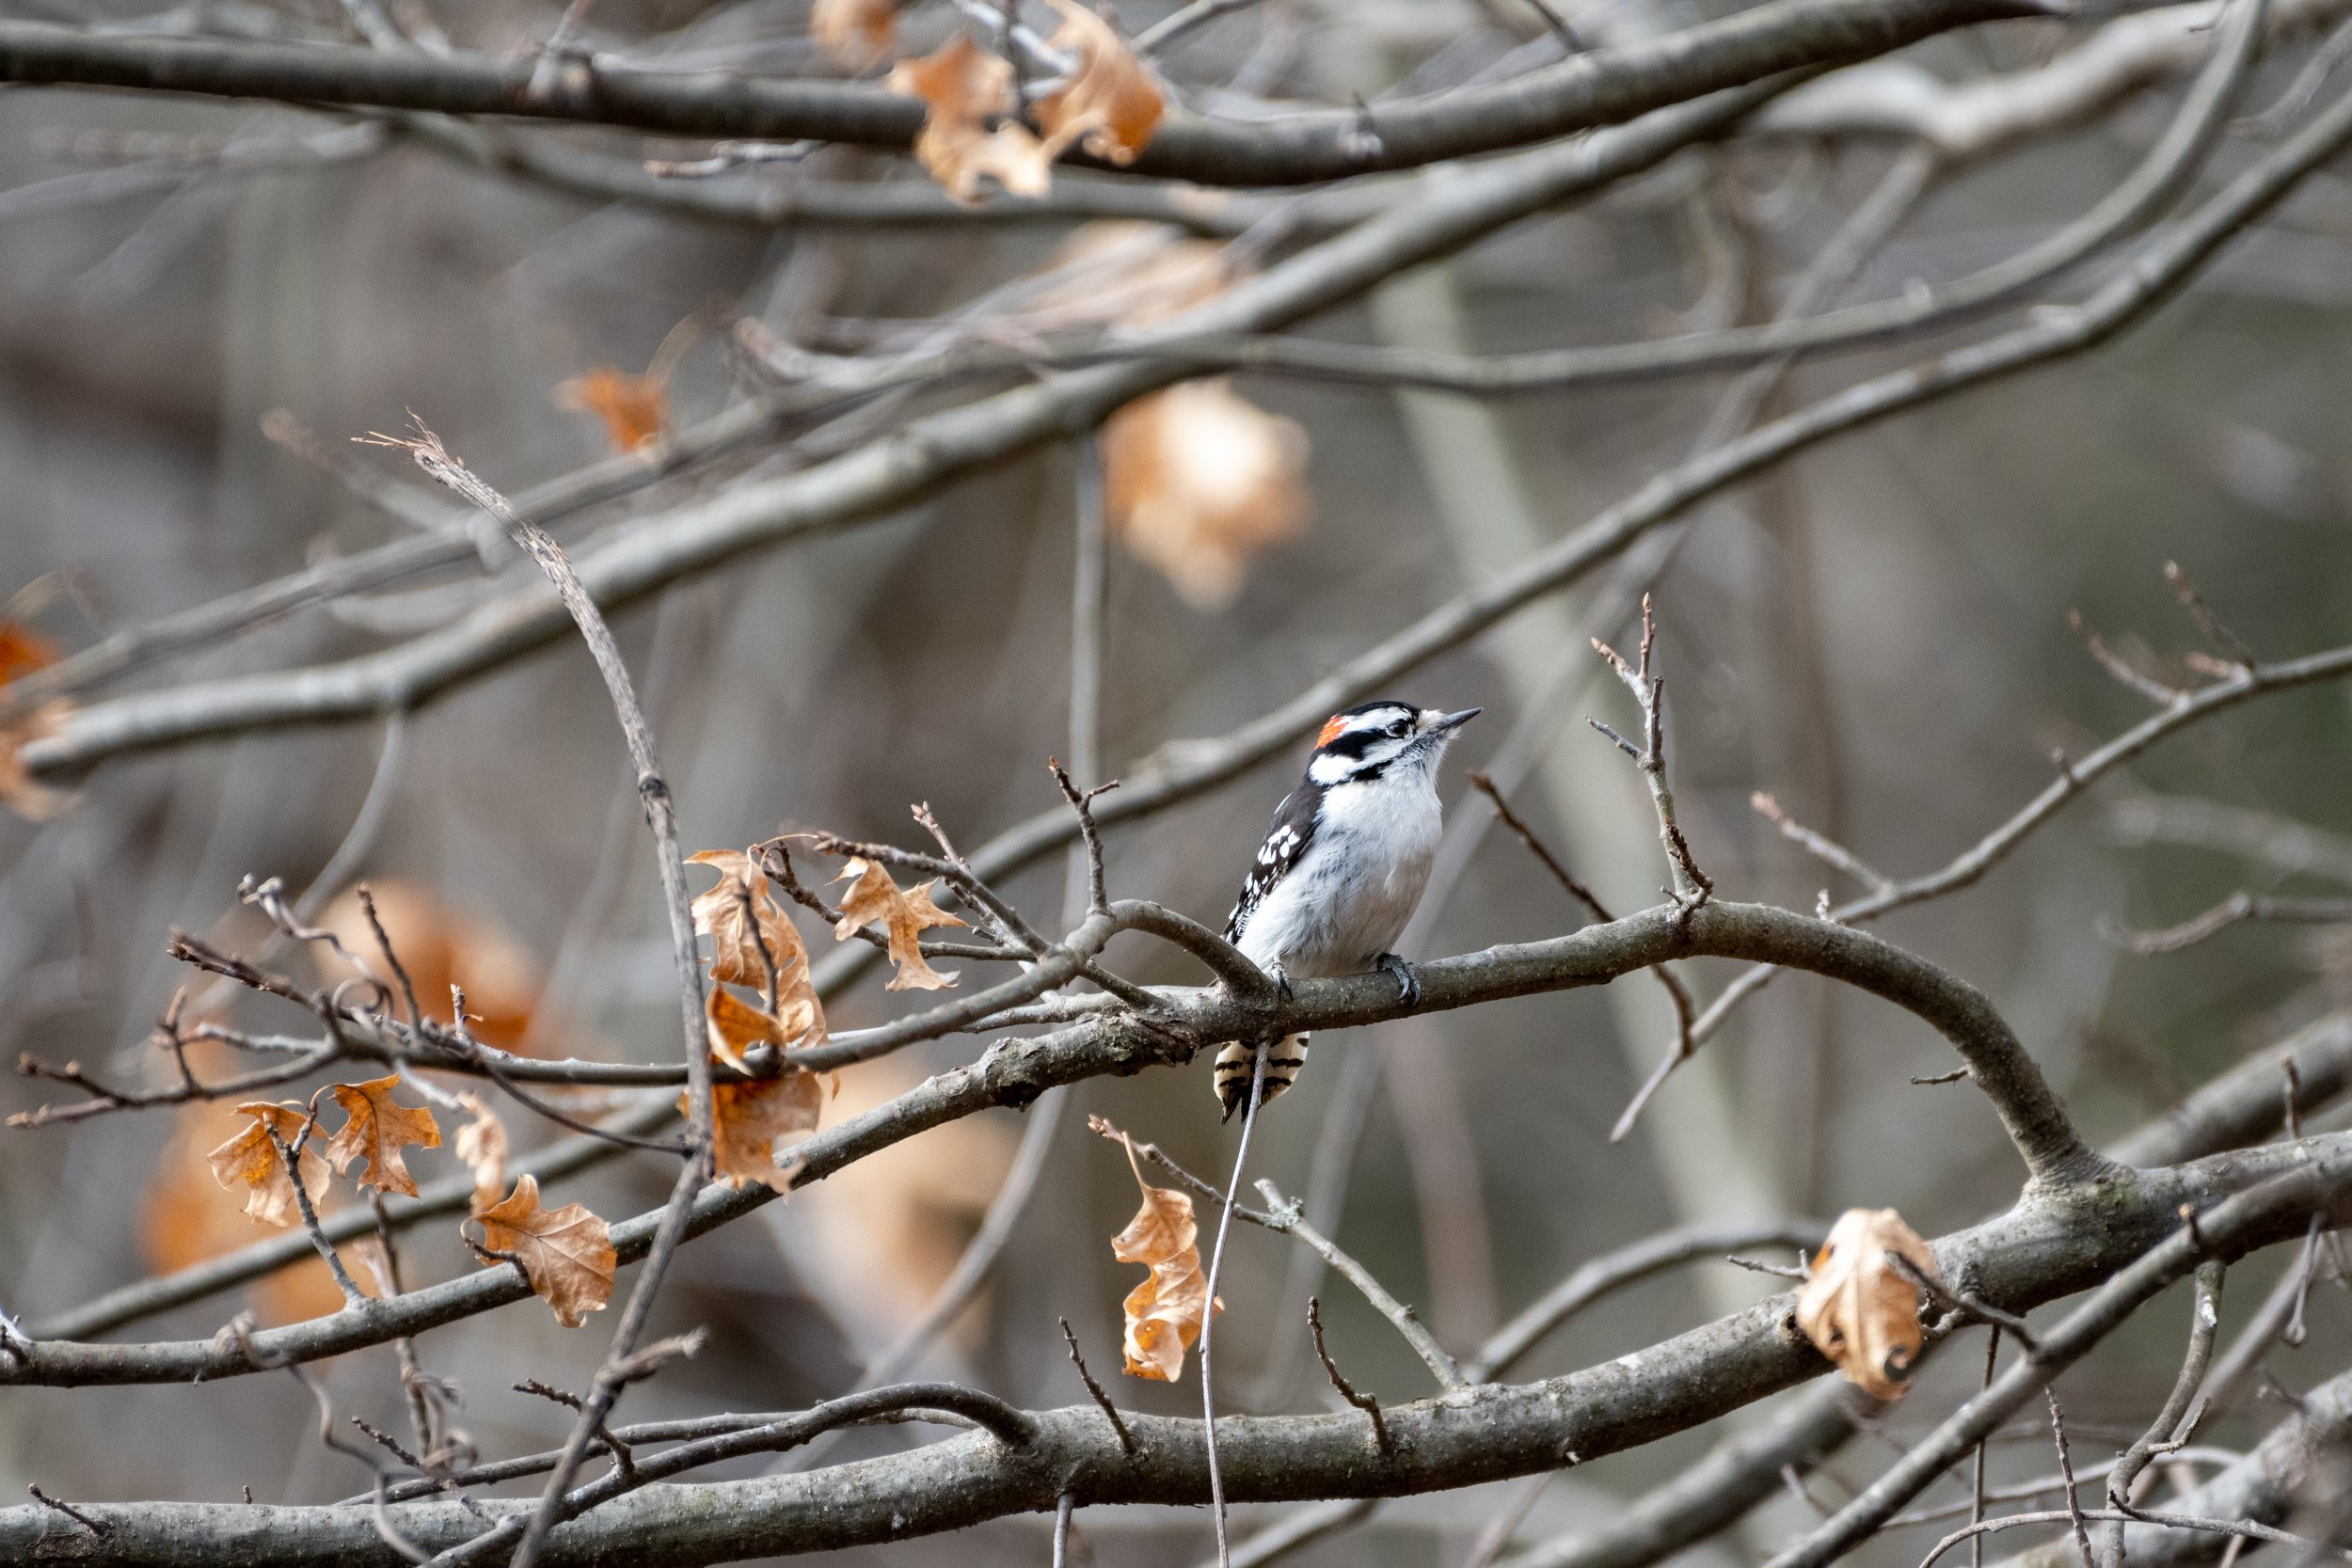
<point>1367,741</point>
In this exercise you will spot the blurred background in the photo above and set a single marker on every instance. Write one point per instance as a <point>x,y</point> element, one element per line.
<point>1875,634</point>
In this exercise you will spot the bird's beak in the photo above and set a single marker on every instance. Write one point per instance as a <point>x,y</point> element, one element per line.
<point>1453,721</point>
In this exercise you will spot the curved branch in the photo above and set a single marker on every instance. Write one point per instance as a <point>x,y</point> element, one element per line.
<point>1602,86</point>
<point>2039,1251</point>
<point>1013,1072</point>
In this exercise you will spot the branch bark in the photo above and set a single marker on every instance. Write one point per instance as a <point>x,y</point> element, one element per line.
<point>1601,86</point>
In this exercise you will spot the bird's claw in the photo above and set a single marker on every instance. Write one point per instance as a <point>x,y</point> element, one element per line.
<point>1281,984</point>
<point>1407,985</point>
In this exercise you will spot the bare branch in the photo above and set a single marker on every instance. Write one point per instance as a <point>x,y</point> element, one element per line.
<point>1597,88</point>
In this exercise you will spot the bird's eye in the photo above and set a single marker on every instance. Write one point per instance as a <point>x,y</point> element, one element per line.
<point>1402,726</point>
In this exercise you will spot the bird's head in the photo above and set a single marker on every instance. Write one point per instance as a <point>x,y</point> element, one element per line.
<point>1371,739</point>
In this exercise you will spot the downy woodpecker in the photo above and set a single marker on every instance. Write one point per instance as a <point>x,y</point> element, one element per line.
<point>1341,869</point>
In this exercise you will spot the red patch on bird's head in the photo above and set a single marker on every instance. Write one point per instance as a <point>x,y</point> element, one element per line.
<point>1333,728</point>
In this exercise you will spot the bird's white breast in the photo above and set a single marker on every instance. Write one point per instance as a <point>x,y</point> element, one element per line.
<point>1348,900</point>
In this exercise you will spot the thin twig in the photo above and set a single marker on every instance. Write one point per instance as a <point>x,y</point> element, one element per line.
<point>2207,622</point>
<point>1976,1484</point>
<point>2170,1432</point>
<point>400,971</point>
<point>1364,1402</point>
<point>653,788</point>
<point>1119,1422</point>
<point>1691,887</point>
<point>288,1157</point>
<point>2114,664</point>
<point>1819,846</point>
<point>96,1526</point>
<point>1678,994</point>
<point>2237,906</point>
<point>1965,1305</point>
<point>1208,1310</point>
<point>1283,1215</point>
<point>2066,1474</point>
<point>1098,900</point>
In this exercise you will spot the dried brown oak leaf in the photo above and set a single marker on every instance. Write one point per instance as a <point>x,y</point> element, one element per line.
<point>1196,481</point>
<point>565,1253</point>
<point>854,32</point>
<point>481,1144</point>
<point>377,1131</point>
<point>735,946</point>
<point>634,409</point>
<point>748,1118</point>
<point>907,915</point>
<point>251,1160</point>
<point>1861,1310</point>
<point>1111,103</point>
<point>1164,1312</point>
<point>963,87</point>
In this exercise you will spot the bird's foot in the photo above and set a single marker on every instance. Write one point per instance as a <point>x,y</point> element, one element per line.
<point>1281,983</point>
<point>1407,985</point>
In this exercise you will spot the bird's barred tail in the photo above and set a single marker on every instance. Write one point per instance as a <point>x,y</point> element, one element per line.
<point>1237,1063</point>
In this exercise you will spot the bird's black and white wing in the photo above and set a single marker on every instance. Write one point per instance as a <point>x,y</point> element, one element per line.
<point>1286,844</point>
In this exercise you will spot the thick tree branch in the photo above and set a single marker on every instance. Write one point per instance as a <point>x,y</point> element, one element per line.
<point>2042,1249</point>
<point>1602,86</point>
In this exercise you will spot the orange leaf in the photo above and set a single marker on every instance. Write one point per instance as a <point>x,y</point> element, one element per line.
<point>376,1133</point>
<point>855,32</point>
<point>251,1160</point>
<point>1110,102</point>
<point>1165,1312</point>
<point>1858,1308</point>
<point>735,943</point>
<point>19,790</point>
<point>907,914</point>
<point>565,1253</point>
<point>23,650</point>
<point>963,87</point>
<point>635,408</point>
<point>748,1118</point>
<point>1196,481</point>
<point>187,1219</point>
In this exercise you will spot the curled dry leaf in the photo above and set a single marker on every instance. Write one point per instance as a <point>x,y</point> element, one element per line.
<point>1111,103</point>
<point>377,1131</point>
<point>565,1253</point>
<point>1196,481</point>
<point>251,1160</point>
<point>634,409</point>
<point>906,914</point>
<point>735,1026</point>
<point>748,1118</point>
<point>481,1144</point>
<point>1858,1308</point>
<point>735,949</point>
<point>1165,1312</point>
<point>187,1217</point>
<point>963,87</point>
<point>854,32</point>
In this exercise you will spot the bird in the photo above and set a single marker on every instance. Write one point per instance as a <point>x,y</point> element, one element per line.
<point>1341,869</point>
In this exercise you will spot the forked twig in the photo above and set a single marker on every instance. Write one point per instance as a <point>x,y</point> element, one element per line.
<point>1691,887</point>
